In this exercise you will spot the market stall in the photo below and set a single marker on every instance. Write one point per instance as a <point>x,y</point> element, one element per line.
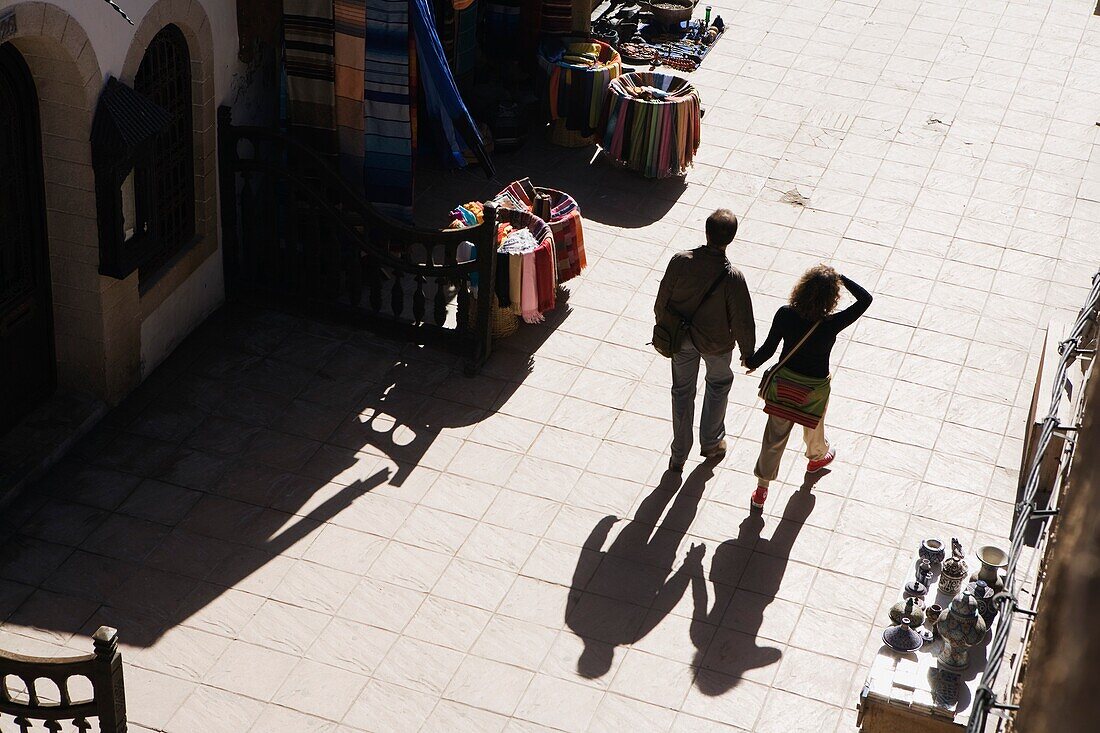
<point>925,676</point>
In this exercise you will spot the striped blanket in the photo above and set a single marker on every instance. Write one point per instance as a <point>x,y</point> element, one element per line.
<point>389,97</point>
<point>565,223</point>
<point>796,397</point>
<point>308,45</point>
<point>349,33</point>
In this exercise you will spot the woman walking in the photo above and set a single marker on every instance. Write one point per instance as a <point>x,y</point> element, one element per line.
<point>796,389</point>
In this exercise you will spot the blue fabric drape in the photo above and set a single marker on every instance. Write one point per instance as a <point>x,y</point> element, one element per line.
<point>450,122</point>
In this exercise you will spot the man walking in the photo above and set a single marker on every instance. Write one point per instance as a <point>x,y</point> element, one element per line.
<point>702,289</point>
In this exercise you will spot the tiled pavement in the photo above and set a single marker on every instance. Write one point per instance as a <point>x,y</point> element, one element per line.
<point>300,528</point>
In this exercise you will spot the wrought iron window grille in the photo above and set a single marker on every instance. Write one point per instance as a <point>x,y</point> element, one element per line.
<point>986,701</point>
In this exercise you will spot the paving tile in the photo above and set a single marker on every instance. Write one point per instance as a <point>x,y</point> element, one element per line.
<point>321,690</point>
<point>489,685</point>
<point>419,665</point>
<point>214,710</point>
<point>558,703</point>
<point>250,670</point>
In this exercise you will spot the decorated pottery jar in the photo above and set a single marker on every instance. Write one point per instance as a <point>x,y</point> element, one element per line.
<point>933,551</point>
<point>992,560</point>
<point>932,613</point>
<point>952,576</point>
<point>910,608</point>
<point>983,594</point>
<point>961,628</point>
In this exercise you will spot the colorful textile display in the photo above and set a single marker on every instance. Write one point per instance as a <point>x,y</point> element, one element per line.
<point>652,123</point>
<point>309,59</point>
<point>464,58</point>
<point>579,72</point>
<point>350,29</point>
<point>502,31</point>
<point>389,98</point>
<point>564,222</point>
<point>453,128</point>
<point>530,275</point>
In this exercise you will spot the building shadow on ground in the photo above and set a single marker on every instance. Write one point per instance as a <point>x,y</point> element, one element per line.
<point>606,192</point>
<point>620,593</point>
<point>720,665</point>
<point>259,470</point>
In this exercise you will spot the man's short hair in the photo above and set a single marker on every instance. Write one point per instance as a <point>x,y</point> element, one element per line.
<point>721,228</point>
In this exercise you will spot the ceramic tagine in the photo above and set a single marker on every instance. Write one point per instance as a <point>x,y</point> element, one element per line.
<point>954,571</point>
<point>961,628</point>
<point>983,594</point>
<point>992,560</point>
<point>902,638</point>
<point>933,551</point>
<point>910,608</point>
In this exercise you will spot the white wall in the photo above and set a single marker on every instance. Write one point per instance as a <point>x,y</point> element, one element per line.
<point>111,35</point>
<point>179,314</point>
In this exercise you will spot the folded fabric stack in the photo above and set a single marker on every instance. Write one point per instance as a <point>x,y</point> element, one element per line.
<point>526,272</point>
<point>564,221</point>
<point>529,275</point>
<point>579,72</point>
<point>652,123</point>
<point>557,16</point>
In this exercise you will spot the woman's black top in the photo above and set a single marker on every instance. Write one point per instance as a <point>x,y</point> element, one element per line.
<point>812,358</point>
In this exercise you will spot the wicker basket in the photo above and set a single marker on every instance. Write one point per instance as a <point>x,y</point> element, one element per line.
<point>502,321</point>
<point>562,136</point>
<point>671,16</point>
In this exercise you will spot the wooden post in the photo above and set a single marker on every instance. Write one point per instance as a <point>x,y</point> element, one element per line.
<point>486,288</point>
<point>227,193</point>
<point>107,681</point>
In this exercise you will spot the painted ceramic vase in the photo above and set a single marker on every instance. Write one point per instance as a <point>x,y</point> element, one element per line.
<point>952,576</point>
<point>992,560</point>
<point>961,627</point>
<point>909,608</point>
<point>933,612</point>
<point>933,551</point>
<point>983,594</point>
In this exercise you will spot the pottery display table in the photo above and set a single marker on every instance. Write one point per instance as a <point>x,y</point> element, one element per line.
<point>905,692</point>
<point>898,695</point>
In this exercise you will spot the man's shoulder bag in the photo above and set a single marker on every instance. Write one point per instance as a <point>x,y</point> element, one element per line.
<point>669,332</point>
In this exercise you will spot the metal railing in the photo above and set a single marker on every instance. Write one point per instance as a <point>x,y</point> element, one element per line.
<point>985,700</point>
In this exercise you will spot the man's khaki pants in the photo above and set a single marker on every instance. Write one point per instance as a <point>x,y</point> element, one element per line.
<point>775,440</point>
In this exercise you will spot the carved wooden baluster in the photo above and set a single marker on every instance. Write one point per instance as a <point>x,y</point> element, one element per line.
<point>439,302</point>
<point>397,293</point>
<point>63,689</point>
<point>32,693</point>
<point>82,725</point>
<point>24,724</point>
<point>419,299</point>
<point>248,229</point>
<point>374,285</point>
<point>52,726</point>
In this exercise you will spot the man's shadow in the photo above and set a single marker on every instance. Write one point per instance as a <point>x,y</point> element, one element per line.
<point>622,593</point>
<point>721,665</point>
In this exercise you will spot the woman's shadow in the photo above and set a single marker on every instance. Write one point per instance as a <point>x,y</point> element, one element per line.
<point>621,593</point>
<point>721,665</point>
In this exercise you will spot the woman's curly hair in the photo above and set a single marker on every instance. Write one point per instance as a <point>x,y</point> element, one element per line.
<point>816,293</point>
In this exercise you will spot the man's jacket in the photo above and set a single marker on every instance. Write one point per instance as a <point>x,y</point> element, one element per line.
<point>723,318</point>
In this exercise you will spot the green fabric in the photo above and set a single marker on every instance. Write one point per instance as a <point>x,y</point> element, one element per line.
<point>816,401</point>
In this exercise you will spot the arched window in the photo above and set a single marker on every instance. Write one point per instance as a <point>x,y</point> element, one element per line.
<point>164,187</point>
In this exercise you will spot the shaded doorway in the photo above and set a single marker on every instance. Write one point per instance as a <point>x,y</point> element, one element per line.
<point>27,367</point>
